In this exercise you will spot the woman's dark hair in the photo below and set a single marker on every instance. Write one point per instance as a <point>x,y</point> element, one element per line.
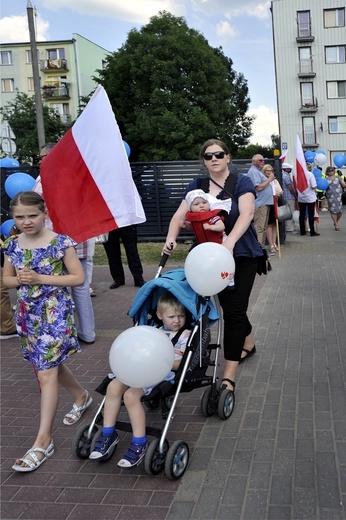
<point>210,142</point>
<point>28,198</point>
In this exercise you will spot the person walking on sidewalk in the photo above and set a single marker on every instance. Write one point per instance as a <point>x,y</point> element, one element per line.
<point>241,241</point>
<point>307,203</point>
<point>42,265</point>
<point>334,193</point>
<point>264,196</point>
<point>128,236</point>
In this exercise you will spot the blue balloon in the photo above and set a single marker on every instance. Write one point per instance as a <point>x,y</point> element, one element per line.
<point>17,182</point>
<point>127,149</point>
<point>14,163</point>
<point>7,162</point>
<point>6,227</point>
<point>320,151</point>
<point>309,156</point>
<point>322,184</point>
<point>317,173</point>
<point>339,160</point>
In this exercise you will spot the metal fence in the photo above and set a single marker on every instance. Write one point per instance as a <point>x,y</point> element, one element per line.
<point>161,186</point>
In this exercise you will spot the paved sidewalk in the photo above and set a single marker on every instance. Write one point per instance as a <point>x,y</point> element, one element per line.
<point>281,455</point>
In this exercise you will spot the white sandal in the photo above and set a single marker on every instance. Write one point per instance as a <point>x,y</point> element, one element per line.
<point>77,411</point>
<point>34,462</point>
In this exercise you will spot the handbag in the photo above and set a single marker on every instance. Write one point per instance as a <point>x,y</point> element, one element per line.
<point>284,213</point>
<point>264,265</point>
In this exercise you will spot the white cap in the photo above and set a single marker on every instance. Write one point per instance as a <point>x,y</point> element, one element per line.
<point>196,194</point>
<point>287,165</point>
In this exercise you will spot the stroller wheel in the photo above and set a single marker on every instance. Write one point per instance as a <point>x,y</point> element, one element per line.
<point>208,403</point>
<point>226,404</point>
<point>177,460</point>
<point>81,442</point>
<point>154,461</point>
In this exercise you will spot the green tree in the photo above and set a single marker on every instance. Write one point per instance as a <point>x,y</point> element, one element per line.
<point>252,149</point>
<point>170,91</point>
<point>21,115</point>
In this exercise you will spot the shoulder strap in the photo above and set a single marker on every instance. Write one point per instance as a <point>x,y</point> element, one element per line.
<point>174,340</point>
<point>229,187</point>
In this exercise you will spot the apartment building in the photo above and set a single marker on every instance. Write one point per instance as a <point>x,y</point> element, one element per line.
<point>66,70</point>
<point>310,65</point>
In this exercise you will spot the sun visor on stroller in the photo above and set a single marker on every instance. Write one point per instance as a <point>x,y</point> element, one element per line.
<point>175,282</point>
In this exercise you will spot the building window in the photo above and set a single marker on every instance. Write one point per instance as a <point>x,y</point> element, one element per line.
<point>307,95</point>
<point>7,85</point>
<point>336,89</point>
<point>31,84</point>
<point>55,54</point>
<point>6,57</point>
<point>337,125</point>
<point>305,60</point>
<point>309,130</point>
<point>304,25</point>
<point>335,54</point>
<point>29,56</point>
<point>334,17</point>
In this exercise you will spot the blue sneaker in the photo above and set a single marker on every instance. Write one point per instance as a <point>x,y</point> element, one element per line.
<point>104,446</point>
<point>133,456</point>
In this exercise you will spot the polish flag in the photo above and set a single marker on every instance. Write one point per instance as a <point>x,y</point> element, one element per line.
<point>300,175</point>
<point>283,156</point>
<point>86,179</point>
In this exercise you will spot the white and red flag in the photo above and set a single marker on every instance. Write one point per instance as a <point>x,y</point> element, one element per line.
<point>283,156</point>
<point>86,178</point>
<point>300,176</point>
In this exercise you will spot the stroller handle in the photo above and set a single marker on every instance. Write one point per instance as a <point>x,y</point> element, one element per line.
<point>163,261</point>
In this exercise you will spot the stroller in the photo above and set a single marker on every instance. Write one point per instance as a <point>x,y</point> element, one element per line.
<point>199,355</point>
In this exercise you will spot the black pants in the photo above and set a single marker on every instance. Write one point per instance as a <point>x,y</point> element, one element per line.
<point>128,236</point>
<point>234,304</point>
<point>302,213</point>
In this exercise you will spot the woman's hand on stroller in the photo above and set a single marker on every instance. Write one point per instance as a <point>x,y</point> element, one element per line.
<point>169,247</point>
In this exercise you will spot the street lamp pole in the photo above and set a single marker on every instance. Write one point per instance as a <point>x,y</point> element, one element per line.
<point>36,76</point>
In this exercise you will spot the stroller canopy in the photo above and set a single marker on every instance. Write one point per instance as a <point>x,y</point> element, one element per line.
<point>175,282</point>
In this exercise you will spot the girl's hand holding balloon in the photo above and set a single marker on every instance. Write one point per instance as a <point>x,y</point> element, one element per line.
<point>27,276</point>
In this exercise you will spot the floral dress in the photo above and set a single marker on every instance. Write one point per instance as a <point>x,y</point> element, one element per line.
<point>44,314</point>
<point>333,194</point>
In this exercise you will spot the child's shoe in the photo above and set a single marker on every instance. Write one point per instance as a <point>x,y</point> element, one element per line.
<point>133,456</point>
<point>103,446</point>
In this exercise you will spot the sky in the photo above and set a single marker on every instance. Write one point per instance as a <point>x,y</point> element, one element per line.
<point>241,27</point>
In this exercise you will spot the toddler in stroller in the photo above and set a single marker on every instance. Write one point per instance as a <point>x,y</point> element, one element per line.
<point>193,359</point>
<point>173,316</point>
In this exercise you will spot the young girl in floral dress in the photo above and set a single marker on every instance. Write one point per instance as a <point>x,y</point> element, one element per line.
<point>41,265</point>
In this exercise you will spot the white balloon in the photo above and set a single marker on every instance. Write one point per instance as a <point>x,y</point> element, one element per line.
<point>209,268</point>
<point>295,216</point>
<point>141,356</point>
<point>320,159</point>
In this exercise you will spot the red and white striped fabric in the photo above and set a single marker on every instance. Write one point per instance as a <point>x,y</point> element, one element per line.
<point>300,175</point>
<point>86,179</point>
<point>283,156</point>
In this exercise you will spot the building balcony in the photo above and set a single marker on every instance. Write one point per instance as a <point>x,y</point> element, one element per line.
<point>310,106</point>
<point>306,69</point>
<point>50,93</point>
<point>304,33</point>
<point>60,64</point>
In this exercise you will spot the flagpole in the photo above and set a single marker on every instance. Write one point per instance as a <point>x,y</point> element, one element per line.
<point>278,236</point>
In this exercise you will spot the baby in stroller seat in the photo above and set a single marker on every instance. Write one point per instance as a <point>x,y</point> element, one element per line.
<point>173,316</point>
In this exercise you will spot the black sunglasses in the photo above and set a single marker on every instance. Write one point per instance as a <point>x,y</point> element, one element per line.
<point>207,156</point>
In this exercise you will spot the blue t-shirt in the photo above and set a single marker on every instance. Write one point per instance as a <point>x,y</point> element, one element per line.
<point>247,244</point>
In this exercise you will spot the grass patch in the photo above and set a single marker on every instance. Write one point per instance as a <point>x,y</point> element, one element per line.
<point>149,252</point>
